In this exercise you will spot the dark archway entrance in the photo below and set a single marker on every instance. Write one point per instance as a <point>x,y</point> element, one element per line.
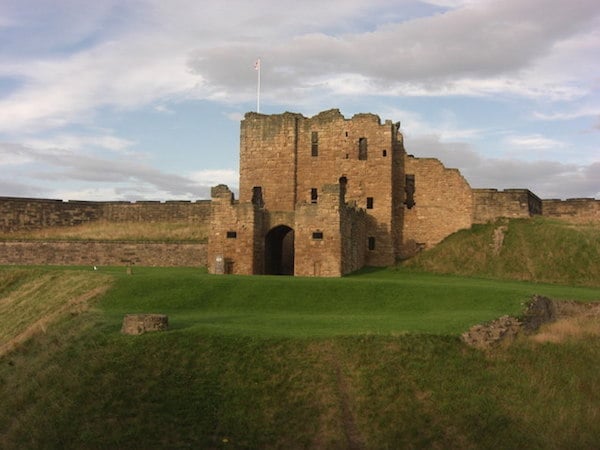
<point>279,251</point>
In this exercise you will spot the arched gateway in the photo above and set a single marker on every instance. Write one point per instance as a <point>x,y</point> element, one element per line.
<point>279,251</point>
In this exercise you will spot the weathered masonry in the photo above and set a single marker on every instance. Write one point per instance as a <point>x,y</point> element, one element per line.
<point>319,197</point>
<point>324,196</point>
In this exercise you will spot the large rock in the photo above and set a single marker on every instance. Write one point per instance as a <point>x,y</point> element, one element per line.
<point>144,323</point>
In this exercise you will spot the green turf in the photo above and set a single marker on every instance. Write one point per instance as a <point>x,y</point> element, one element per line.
<point>369,361</point>
<point>377,302</point>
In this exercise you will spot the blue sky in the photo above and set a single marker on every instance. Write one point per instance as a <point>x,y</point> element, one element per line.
<point>141,99</point>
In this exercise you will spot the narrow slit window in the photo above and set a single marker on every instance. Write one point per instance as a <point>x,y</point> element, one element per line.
<point>314,195</point>
<point>369,202</point>
<point>362,148</point>
<point>231,234</point>
<point>317,235</point>
<point>314,143</point>
<point>257,198</point>
<point>384,153</point>
<point>371,243</point>
<point>409,189</point>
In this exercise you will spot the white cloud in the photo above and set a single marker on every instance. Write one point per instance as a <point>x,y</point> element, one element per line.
<point>70,142</point>
<point>533,142</point>
<point>131,177</point>
<point>210,178</point>
<point>504,50</point>
<point>507,45</point>
<point>587,111</point>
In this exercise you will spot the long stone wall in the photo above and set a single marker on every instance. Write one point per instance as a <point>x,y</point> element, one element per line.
<point>575,210</point>
<point>103,253</point>
<point>491,204</point>
<point>27,213</point>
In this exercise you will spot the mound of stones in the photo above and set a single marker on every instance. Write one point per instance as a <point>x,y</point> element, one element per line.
<point>539,311</point>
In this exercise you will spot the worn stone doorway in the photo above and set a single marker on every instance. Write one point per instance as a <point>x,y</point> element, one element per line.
<point>279,251</point>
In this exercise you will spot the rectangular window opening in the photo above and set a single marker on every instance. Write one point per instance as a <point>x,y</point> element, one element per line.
<point>371,243</point>
<point>409,190</point>
<point>369,202</point>
<point>231,234</point>
<point>317,235</point>
<point>362,148</point>
<point>314,195</point>
<point>384,152</point>
<point>314,142</point>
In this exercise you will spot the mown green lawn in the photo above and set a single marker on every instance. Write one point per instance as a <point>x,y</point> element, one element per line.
<point>369,361</point>
<point>377,302</point>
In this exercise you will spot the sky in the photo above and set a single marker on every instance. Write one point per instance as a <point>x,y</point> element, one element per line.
<point>142,99</point>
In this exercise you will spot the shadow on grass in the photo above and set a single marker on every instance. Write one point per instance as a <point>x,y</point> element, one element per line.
<point>368,270</point>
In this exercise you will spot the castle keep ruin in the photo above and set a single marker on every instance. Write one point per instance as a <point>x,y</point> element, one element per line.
<point>325,196</point>
<point>319,196</point>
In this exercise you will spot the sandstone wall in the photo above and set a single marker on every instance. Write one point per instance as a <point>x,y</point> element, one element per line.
<point>575,210</point>
<point>149,211</point>
<point>268,146</point>
<point>292,158</point>
<point>491,204</point>
<point>103,253</point>
<point>26,213</point>
<point>235,241</point>
<point>319,254</point>
<point>443,203</point>
<point>354,239</point>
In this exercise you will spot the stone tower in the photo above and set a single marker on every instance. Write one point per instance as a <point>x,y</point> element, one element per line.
<point>320,196</point>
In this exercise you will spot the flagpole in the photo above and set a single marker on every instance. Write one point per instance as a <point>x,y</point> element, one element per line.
<point>258,86</point>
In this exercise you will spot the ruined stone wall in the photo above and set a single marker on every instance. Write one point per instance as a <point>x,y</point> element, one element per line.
<point>27,214</point>
<point>103,253</point>
<point>575,210</point>
<point>491,204</point>
<point>443,203</point>
<point>235,233</point>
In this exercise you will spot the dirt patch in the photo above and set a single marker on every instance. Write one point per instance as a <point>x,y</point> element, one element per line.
<point>341,399</point>
<point>498,239</point>
<point>545,320</point>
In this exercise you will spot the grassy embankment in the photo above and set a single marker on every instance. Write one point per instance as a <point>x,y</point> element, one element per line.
<point>369,361</point>
<point>116,231</point>
<point>539,249</point>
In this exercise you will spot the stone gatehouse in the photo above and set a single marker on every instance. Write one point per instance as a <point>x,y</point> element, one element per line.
<point>325,196</point>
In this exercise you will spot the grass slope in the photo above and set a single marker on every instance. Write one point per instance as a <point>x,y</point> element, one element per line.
<point>369,361</point>
<point>116,231</point>
<point>538,249</point>
<point>31,299</point>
